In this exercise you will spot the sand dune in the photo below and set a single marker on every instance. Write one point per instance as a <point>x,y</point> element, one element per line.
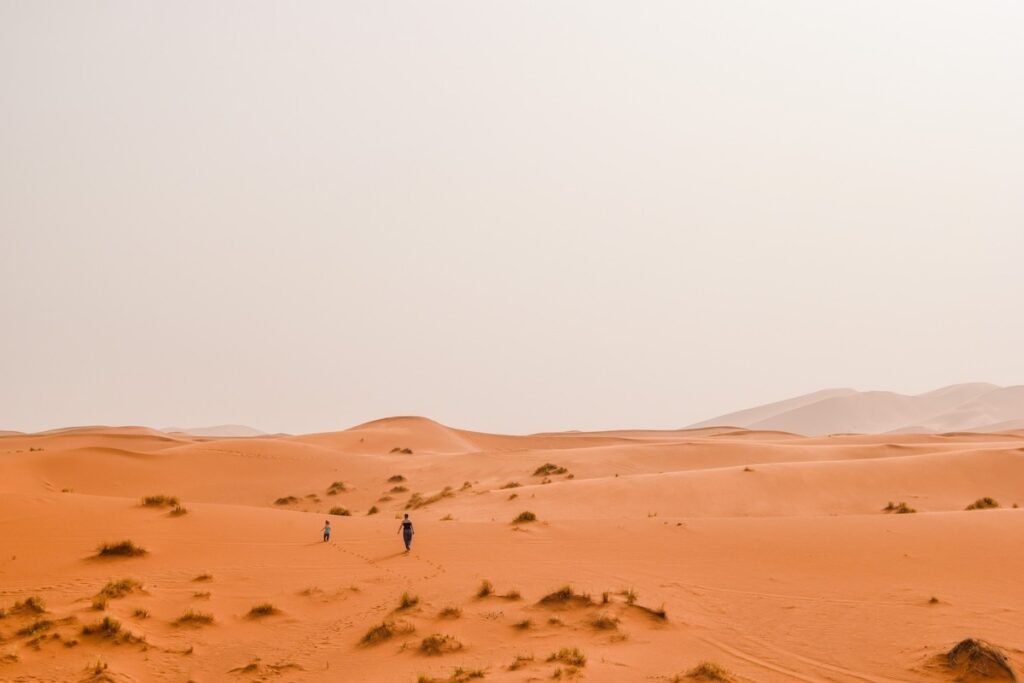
<point>961,407</point>
<point>233,431</point>
<point>769,553</point>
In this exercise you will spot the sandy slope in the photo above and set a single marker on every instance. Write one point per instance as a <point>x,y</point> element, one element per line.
<point>768,551</point>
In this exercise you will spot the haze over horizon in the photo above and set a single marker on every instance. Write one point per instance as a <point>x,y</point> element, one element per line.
<point>509,218</point>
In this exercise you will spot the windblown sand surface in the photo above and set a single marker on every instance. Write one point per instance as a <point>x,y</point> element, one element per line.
<point>769,553</point>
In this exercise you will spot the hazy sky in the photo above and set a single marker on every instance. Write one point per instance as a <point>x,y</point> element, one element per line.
<point>509,216</point>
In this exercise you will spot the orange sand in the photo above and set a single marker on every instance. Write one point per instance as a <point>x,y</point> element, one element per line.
<point>787,572</point>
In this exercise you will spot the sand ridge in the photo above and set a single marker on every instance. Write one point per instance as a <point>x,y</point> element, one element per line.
<point>765,553</point>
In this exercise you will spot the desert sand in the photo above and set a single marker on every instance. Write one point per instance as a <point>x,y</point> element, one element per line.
<point>765,553</point>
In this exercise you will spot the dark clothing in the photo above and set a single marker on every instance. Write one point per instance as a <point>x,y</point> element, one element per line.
<point>407,533</point>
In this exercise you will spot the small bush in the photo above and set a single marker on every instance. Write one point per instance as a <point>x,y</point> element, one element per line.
<point>511,485</point>
<point>398,489</point>
<point>450,612</point>
<point>933,600</point>
<point>604,622</point>
<point>520,661</point>
<point>565,595</point>
<point>973,656</point>
<point>160,501</point>
<point>404,451</point>
<point>395,479</point>
<point>631,596</point>
<point>141,613</point>
<point>340,512</point>
<point>384,631</point>
<point>448,518</point>
<point>120,549</point>
<point>193,618</point>
<point>336,488</point>
<point>523,625</point>
<point>408,601</point>
<point>486,588</point>
<point>202,578</point>
<point>548,469</point>
<point>439,644</point>
<point>178,511</point>
<point>264,609</point>
<point>513,496</point>
<point>119,589</point>
<point>658,613</point>
<point>30,605</point>
<point>201,595</point>
<point>107,627</point>
<point>372,511</point>
<point>525,517</point>
<point>286,500</point>
<point>418,501</point>
<point>99,604</point>
<point>513,595</point>
<point>985,503</point>
<point>900,508</point>
<point>708,671</point>
<point>37,626</point>
<point>570,656</point>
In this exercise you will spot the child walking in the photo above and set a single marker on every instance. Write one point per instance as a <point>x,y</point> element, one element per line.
<point>327,530</point>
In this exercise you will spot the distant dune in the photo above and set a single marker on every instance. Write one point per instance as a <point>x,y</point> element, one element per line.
<point>975,407</point>
<point>218,430</point>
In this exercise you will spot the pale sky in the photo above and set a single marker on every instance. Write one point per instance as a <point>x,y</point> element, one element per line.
<point>513,216</point>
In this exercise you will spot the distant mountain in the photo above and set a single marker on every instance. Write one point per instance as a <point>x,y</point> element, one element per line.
<point>218,430</point>
<point>957,408</point>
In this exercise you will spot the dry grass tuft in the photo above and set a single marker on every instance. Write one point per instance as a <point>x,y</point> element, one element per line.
<point>372,511</point>
<point>605,622</point>
<point>120,549</point>
<point>512,595</point>
<point>178,511</point>
<point>438,644</point>
<point>340,512</point>
<point>511,485</point>
<point>565,596</point>
<point>486,588</point>
<point>396,479</point>
<point>107,627</point>
<point>659,613</point>
<point>201,595</point>
<point>140,613</point>
<point>385,631</point>
<point>264,609</point>
<point>520,661</point>
<point>548,469</point>
<point>30,605</point>
<point>193,618</point>
<point>450,612</point>
<point>985,503</point>
<point>525,517</point>
<point>404,451</point>
<point>37,626</point>
<point>160,501</point>
<point>203,577</point>
<point>417,501</point>
<point>523,625</point>
<point>408,601</point>
<point>709,671</point>
<point>900,508</point>
<point>570,656</point>
<point>118,589</point>
<point>286,500</point>
<point>972,657</point>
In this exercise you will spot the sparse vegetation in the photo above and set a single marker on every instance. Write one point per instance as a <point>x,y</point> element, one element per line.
<point>548,469</point>
<point>398,489</point>
<point>120,549</point>
<point>395,479</point>
<point>708,671</point>
<point>385,631</point>
<point>513,496</point>
<point>748,469</point>
<point>107,627</point>
<point>520,661</point>
<point>438,644</point>
<point>403,451</point>
<point>178,511</point>
<point>985,503</point>
<point>160,501</point>
<point>140,613</point>
<point>201,595</point>
<point>372,511</point>
<point>523,625</point>
<point>193,618</point>
<point>630,595</point>
<point>119,589</point>
<point>336,487</point>
<point>933,600</point>
<point>448,518</point>
<point>571,656</point>
<point>203,577</point>
<point>513,595</point>
<point>99,604</point>
<point>658,613</point>
<point>450,612</point>
<point>525,517</point>
<point>975,657</point>
<point>511,485</point>
<point>340,512</point>
<point>900,508</point>
<point>408,601</point>
<point>30,605</point>
<point>486,588</point>
<point>286,500</point>
<point>418,501</point>
<point>605,622</point>
<point>264,609</point>
<point>565,595</point>
<point>37,626</point>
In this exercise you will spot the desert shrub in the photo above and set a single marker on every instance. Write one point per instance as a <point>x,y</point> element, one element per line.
<point>983,504</point>
<point>512,595</point>
<point>193,618</point>
<point>264,609</point>
<point>340,512</point>
<point>439,644</point>
<point>398,489</point>
<point>201,595</point>
<point>120,549</point>
<point>565,595</point>
<point>548,469</point>
<point>99,604</point>
<point>659,613</point>
<point>975,657</point>
<point>336,488</point>
<point>900,508</point>
<point>395,479</point>
<point>160,501</point>
<point>513,496</point>
<point>30,605</point>
<point>408,600</point>
<point>203,577</point>
<point>450,612</point>
<point>286,500</point>
<point>404,451</point>
<point>418,501</point>
<point>571,656</point>
<point>119,589</point>
<point>486,588</point>
<point>708,671</point>
<point>525,517</point>
<point>448,518</point>
<point>107,627</point>
<point>178,511</point>
<point>141,613</point>
<point>511,485</point>
<point>37,626</point>
<point>523,625</point>
<point>630,595</point>
<point>372,511</point>
<point>605,622</point>
<point>384,631</point>
<point>933,600</point>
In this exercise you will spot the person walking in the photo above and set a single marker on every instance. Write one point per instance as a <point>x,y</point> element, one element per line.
<point>406,530</point>
<point>327,531</point>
